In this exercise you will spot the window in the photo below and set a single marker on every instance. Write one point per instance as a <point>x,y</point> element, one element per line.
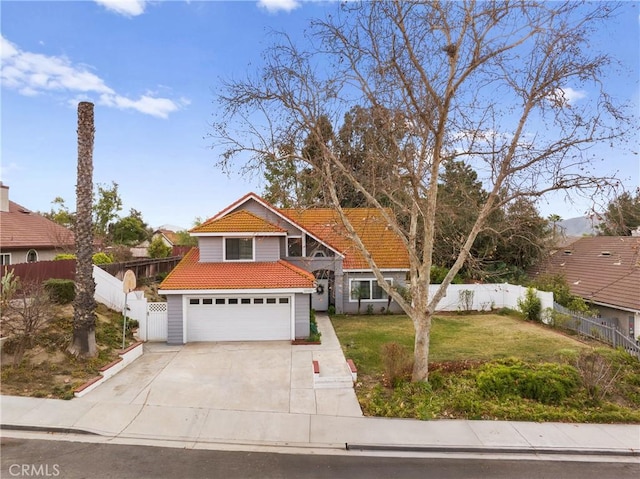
<point>294,246</point>
<point>194,301</point>
<point>271,300</point>
<point>207,301</point>
<point>32,256</point>
<point>258,301</point>
<point>367,289</point>
<point>283,300</point>
<point>245,301</point>
<point>220,301</point>
<point>238,249</point>
<point>5,259</point>
<point>319,254</point>
<point>233,300</point>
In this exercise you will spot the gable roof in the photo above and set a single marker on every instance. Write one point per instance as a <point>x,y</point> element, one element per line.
<point>190,274</point>
<point>600,269</point>
<point>384,245</point>
<point>170,236</point>
<point>241,221</point>
<point>22,228</point>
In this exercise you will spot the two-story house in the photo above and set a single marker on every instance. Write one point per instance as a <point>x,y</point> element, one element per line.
<point>258,270</point>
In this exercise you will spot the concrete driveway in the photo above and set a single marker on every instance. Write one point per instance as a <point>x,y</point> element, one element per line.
<point>271,376</point>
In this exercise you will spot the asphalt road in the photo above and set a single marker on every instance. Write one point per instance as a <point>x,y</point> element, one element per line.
<point>63,459</point>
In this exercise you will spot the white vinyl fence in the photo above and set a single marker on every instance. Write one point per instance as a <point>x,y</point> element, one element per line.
<point>109,292</point>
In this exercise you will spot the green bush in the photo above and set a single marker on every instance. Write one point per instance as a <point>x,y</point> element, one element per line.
<point>332,310</point>
<point>547,383</point>
<point>102,258</point>
<point>63,256</point>
<point>530,305</point>
<point>61,291</point>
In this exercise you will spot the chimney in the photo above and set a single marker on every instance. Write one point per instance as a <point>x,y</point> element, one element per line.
<point>4,198</point>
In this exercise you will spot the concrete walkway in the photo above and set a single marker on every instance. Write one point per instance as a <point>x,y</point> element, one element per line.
<point>338,426</point>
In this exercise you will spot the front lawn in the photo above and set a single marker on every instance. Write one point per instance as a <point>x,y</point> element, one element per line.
<point>488,366</point>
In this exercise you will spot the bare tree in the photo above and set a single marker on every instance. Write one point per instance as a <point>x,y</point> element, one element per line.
<point>84,303</point>
<point>24,315</point>
<point>486,83</point>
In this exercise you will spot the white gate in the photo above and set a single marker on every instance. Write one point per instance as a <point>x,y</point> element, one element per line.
<point>157,321</point>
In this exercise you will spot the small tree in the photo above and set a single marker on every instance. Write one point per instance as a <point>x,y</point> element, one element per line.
<point>530,305</point>
<point>157,248</point>
<point>24,316</point>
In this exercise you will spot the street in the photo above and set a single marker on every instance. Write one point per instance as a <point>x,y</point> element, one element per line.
<point>74,460</point>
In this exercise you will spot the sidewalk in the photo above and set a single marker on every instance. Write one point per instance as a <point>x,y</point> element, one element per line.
<point>336,428</point>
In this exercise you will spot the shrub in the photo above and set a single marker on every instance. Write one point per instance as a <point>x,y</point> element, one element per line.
<point>547,383</point>
<point>370,309</point>
<point>63,256</point>
<point>61,291</point>
<point>332,310</point>
<point>102,258</point>
<point>530,305</point>
<point>397,363</point>
<point>314,333</point>
<point>157,249</point>
<point>597,373</point>
<point>465,300</point>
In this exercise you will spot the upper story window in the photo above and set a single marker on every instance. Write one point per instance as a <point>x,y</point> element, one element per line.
<point>238,249</point>
<point>32,256</point>
<point>294,246</point>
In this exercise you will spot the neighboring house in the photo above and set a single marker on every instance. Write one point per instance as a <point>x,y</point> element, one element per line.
<point>27,237</point>
<point>169,238</point>
<point>258,270</point>
<point>605,271</point>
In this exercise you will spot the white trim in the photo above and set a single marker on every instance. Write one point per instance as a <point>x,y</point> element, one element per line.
<point>371,281</point>
<point>239,235</point>
<point>259,200</point>
<point>237,292</point>
<point>6,254</point>
<point>224,250</point>
<point>26,256</point>
<point>293,316</point>
<point>382,270</point>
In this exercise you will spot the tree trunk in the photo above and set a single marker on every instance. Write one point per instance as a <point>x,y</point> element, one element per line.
<point>84,305</point>
<point>421,348</point>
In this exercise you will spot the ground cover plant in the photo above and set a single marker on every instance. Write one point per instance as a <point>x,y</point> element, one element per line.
<point>46,370</point>
<point>489,366</point>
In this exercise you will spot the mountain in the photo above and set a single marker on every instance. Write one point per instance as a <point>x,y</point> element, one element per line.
<point>580,226</point>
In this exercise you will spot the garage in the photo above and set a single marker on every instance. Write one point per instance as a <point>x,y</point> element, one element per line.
<point>239,318</point>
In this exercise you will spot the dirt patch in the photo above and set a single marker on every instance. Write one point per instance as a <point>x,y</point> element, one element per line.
<point>47,370</point>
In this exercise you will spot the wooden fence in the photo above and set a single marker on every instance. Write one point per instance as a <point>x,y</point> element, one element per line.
<point>42,270</point>
<point>599,329</point>
<point>145,268</point>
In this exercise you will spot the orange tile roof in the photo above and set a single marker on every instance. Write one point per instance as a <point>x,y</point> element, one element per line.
<point>238,222</point>
<point>190,274</point>
<point>21,228</point>
<point>612,278</point>
<point>386,248</point>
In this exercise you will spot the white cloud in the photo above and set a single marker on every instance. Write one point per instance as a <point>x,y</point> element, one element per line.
<point>33,74</point>
<point>566,96</point>
<point>273,6</point>
<point>128,8</point>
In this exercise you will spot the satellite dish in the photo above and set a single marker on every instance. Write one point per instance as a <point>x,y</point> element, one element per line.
<point>129,281</point>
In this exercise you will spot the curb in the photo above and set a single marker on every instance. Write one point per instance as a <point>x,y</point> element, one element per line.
<point>493,450</point>
<point>51,429</point>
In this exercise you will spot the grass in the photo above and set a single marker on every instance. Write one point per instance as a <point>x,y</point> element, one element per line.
<point>489,366</point>
<point>481,337</point>
<point>48,371</point>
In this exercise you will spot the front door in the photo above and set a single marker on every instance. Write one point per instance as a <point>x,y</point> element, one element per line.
<point>320,299</point>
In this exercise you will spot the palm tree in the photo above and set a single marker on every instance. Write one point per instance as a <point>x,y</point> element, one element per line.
<point>84,304</point>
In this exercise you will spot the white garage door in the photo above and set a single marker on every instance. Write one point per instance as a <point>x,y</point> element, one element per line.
<point>230,318</point>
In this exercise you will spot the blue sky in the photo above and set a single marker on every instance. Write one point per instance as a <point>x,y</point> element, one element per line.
<point>152,69</point>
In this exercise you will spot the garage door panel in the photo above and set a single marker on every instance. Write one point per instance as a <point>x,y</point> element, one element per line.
<point>238,322</point>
